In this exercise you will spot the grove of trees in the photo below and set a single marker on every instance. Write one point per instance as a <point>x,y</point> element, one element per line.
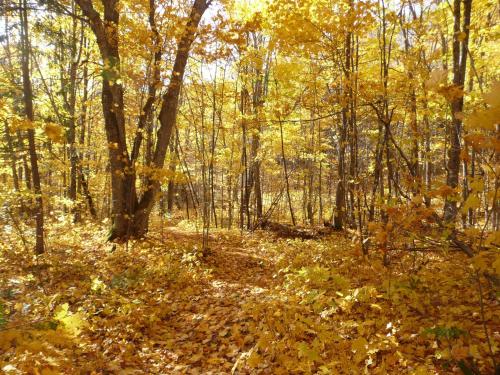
<point>377,120</point>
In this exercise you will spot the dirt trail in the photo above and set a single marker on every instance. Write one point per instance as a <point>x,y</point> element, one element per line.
<point>211,331</point>
<point>158,307</point>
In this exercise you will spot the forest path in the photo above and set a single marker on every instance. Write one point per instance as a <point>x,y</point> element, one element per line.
<point>237,261</point>
<point>254,304</point>
<point>213,329</point>
<point>148,307</point>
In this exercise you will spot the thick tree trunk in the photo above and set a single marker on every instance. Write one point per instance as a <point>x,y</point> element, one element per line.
<point>123,194</point>
<point>168,115</point>
<point>83,186</point>
<point>123,191</point>
<point>427,153</point>
<point>377,171</point>
<point>258,101</point>
<point>338,219</point>
<point>131,215</point>
<point>70,104</point>
<point>258,191</point>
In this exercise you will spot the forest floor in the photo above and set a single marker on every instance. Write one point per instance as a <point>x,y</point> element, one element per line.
<point>255,304</point>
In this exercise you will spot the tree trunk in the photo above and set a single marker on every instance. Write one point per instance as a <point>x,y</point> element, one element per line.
<point>131,215</point>
<point>168,115</point>
<point>340,201</point>
<point>171,187</point>
<point>285,170</point>
<point>28,107</point>
<point>457,103</point>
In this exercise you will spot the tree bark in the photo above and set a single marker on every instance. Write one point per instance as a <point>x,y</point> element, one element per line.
<point>131,215</point>
<point>28,107</point>
<point>168,115</point>
<point>459,47</point>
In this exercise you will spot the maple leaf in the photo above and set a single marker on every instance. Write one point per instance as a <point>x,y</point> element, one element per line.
<point>308,352</point>
<point>54,132</point>
<point>72,323</point>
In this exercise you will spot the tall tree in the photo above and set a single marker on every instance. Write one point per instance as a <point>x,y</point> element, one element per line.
<point>30,116</point>
<point>131,214</point>
<point>461,31</point>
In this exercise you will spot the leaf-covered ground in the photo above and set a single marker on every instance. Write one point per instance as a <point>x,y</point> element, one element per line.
<point>254,305</point>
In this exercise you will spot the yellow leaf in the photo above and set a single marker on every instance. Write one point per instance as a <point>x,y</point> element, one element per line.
<point>54,132</point>
<point>49,371</point>
<point>71,323</point>
<point>21,124</point>
<point>359,345</point>
<point>97,285</point>
<point>493,239</point>
<point>254,359</point>
<point>422,370</point>
<point>214,361</point>
<point>305,351</point>
<point>474,351</point>
<point>195,358</point>
<point>492,98</point>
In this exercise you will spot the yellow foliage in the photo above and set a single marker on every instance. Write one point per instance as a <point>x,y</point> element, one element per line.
<point>21,124</point>
<point>486,118</point>
<point>437,78</point>
<point>54,132</point>
<point>72,323</point>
